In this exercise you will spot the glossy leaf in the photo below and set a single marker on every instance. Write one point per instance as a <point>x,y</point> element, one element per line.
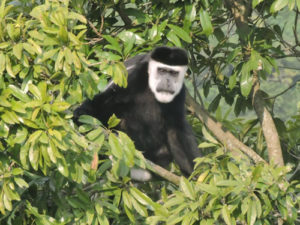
<point>182,34</point>
<point>246,80</point>
<point>278,5</point>
<point>206,22</point>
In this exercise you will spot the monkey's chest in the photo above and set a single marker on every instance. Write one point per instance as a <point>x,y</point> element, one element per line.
<point>144,121</point>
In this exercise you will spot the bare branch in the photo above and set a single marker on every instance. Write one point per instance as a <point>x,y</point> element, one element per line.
<point>162,172</point>
<point>223,135</point>
<point>295,28</point>
<point>120,9</point>
<point>94,29</point>
<point>281,93</point>
<point>241,11</point>
<point>267,123</point>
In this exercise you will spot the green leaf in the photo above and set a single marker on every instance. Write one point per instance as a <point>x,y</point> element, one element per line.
<point>153,32</point>
<point>206,145</point>
<point>278,5</point>
<point>214,103</point>
<point>298,4</point>
<point>232,81</point>
<point>36,48</point>
<point>180,33</point>
<point>10,117</point>
<point>102,219</point>
<point>114,44</point>
<point>89,120</point>
<point>119,74</point>
<point>226,215</point>
<point>116,148</point>
<point>141,197</point>
<point>252,213</point>
<point>187,188</point>
<point>34,156</point>
<point>95,134</point>
<point>21,183</point>
<point>2,62</point>
<point>227,183</point>
<point>8,67</point>
<point>21,136</point>
<point>126,36</point>
<point>233,169</point>
<point>208,136</point>
<point>206,22</point>
<point>51,150</point>
<point>18,107</point>
<point>34,136</point>
<point>4,45</point>
<point>62,167</point>
<point>35,91</point>
<point>76,60</point>
<point>113,121</point>
<point>24,156</point>
<point>172,37</point>
<point>246,80</point>
<point>267,203</point>
<point>77,16</point>
<point>232,55</point>
<point>256,2</point>
<point>60,106</point>
<point>209,188</point>
<point>37,35</point>
<point>17,50</point>
<point>191,13</point>
<point>49,54</point>
<point>19,94</point>
<point>7,202</point>
<point>80,140</point>
<point>59,60</point>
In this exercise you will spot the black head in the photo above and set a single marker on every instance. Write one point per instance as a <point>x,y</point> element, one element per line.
<point>170,56</point>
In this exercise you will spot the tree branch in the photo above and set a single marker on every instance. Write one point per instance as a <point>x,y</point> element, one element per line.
<point>120,9</point>
<point>267,123</point>
<point>241,11</point>
<point>226,137</point>
<point>162,172</point>
<point>281,93</point>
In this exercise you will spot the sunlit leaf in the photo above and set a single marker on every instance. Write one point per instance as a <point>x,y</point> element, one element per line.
<point>278,5</point>
<point>206,22</point>
<point>180,33</point>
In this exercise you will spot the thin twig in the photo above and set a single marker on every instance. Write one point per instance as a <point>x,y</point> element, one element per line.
<point>281,93</point>
<point>101,25</point>
<point>295,29</point>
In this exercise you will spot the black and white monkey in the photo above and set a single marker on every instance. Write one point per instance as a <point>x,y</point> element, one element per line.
<point>151,108</point>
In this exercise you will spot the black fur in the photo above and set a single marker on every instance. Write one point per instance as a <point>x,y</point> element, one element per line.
<point>170,56</point>
<point>160,130</point>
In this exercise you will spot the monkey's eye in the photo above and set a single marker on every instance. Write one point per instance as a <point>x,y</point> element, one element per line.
<point>173,73</point>
<point>161,70</point>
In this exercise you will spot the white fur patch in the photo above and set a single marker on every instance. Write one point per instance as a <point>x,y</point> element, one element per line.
<point>140,174</point>
<point>154,79</point>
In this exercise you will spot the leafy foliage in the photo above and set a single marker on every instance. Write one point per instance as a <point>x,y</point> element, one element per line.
<point>54,54</point>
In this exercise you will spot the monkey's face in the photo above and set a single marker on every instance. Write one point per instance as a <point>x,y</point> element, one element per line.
<point>165,81</point>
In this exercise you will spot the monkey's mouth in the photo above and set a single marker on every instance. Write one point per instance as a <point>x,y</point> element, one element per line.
<point>165,90</point>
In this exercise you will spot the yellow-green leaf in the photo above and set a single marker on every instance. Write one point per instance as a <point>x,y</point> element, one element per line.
<point>17,50</point>
<point>180,33</point>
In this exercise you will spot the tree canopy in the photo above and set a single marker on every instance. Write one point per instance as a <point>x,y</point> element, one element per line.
<point>243,104</point>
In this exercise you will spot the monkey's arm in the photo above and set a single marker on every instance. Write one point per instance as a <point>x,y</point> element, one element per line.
<point>183,147</point>
<point>103,105</point>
